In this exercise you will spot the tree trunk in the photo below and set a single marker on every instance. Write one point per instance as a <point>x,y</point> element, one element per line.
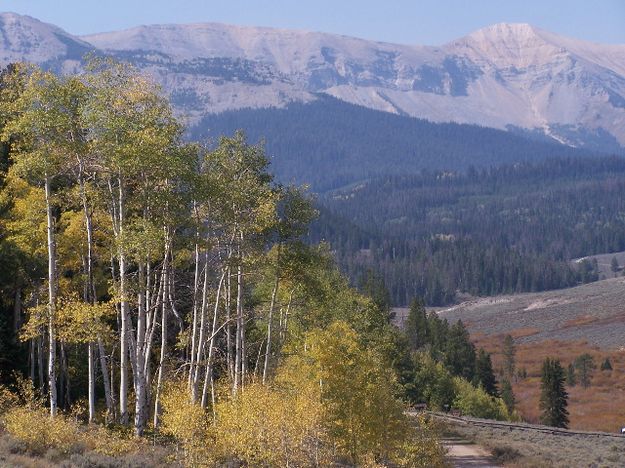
<point>196,280</point>
<point>209,360</point>
<point>40,364</point>
<point>31,360</point>
<point>106,378</point>
<point>17,311</point>
<point>239,336</point>
<point>66,398</point>
<point>125,316</point>
<point>201,339</point>
<point>269,326</point>
<point>91,352</point>
<point>161,364</point>
<point>139,364</point>
<point>229,353</point>
<point>52,291</point>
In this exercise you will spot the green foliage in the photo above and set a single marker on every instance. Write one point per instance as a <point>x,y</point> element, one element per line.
<point>144,226</point>
<point>571,375</point>
<point>553,395</point>
<point>508,352</point>
<point>606,365</point>
<point>484,375</point>
<point>476,402</point>
<point>508,229</point>
<point>507,395</point>
<point>433,383</point>
<point>584,366</point>
<point>416,326</point>
<point>460,352</point>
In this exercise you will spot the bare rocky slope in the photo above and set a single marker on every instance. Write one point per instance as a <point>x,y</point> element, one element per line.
<point>508,76</point>
<point>593,312</point>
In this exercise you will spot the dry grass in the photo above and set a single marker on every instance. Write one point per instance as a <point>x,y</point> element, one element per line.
<point>600,407</point>
<point>593,312</point>
<point>526,448</point>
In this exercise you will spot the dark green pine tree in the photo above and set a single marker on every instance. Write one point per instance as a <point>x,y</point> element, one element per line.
<point>459,355</point>
<point>438,336</point>
<point>585,365</point>
<point>571,377</point>
<point>484,374</point>
<point>416,327</point>
<point>507,395</point>
<point>606,365</point>
<point>509,352</point>
<point>553,395</point>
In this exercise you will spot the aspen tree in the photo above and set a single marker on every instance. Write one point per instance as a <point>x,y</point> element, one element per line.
<point>44,120</point>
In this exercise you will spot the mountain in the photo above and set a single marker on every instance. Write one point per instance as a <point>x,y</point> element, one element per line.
<point>507,76</point>
<point>331,144</point>
<point>27,39</point>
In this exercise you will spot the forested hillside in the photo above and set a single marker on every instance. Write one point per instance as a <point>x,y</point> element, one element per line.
<point>330,144</point>
<point>506,229</point>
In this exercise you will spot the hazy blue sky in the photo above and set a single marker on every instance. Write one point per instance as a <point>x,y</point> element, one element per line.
<point>405,21</point>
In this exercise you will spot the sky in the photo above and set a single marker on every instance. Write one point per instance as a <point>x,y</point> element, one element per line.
<point>427,22</point>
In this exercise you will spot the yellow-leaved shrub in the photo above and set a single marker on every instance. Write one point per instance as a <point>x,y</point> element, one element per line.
<point>187,422</point>
<point>23,415</point>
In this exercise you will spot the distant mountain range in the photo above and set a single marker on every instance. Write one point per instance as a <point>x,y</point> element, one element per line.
<point>507,76</point>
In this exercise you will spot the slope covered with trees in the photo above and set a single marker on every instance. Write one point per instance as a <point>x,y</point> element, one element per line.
<point>330,144</point>
<point>507,229</point>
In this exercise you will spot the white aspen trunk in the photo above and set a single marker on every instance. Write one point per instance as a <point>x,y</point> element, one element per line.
<point>161,364</point>
<point>238,356</point>
<point>139,360</point>
<point>151,322</point>
<point>91,359</point>
<point>229,354</point>
<point>269,327</point>
<point>209,360</point>
<point>202,332</point>
<point>125,315</point>
<point>52,278</point>
<point>286,314</point>
<point>194,325</point>
<point>106,379</point>
<point>90,292</point>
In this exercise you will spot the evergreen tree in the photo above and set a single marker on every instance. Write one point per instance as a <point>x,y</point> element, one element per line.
<point>585,365</point>
<point>484,374</point>
<point>508,357</point>
<point>606,365</point>
<point>571,377</point>
<point>438,335</point>
<point>553,395</point>
<point>614,266</point>
<point>459,355</point>
<point>416,327</point>
<point>507,395</point>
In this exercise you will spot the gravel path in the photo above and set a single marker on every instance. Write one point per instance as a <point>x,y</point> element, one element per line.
<point>463,454</point>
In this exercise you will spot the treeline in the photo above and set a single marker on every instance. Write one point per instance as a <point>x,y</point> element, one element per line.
<point>159,285</point>
<point>499,230</point>
<point>331,144</point>
<point>442,368</point>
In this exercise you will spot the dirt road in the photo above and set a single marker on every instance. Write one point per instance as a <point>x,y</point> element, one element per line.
<point>463,454</point>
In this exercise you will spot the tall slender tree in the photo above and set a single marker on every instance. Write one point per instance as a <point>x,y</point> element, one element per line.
<point>553,395</point>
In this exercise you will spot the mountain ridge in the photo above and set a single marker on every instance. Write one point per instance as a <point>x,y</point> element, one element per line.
<point>501,76</point>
